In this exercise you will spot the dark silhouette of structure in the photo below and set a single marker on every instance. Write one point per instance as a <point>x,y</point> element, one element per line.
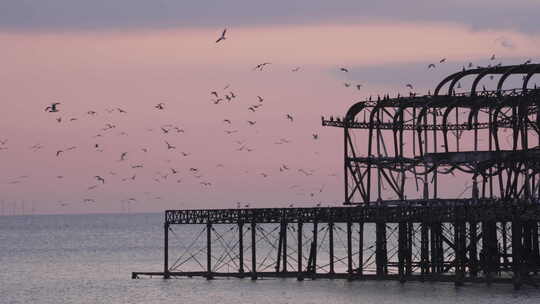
<point>397,222</point>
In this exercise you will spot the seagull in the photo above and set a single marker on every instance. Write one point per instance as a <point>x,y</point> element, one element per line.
<point>120,110</point>
<point>91,112</point>
<point>207,184</point>
<point>123,156</point>
<point>92,187</point>
<point>159,106</point>
<point>358,87</point>
<point>492,57</point>
<point>100,179</point>
<point>528,61</point>
<point>431,65</point>
<point>89,200</point>
<point>169,146</point>
<point>58,152</point>
<point>59,119</point>
<point>315,136</point>
<point>251,122</point>
<point>222,36</point>
<point>252,109</point>
<point>52,108</point>
<point>260,66</point>
<point>227,121</point>
<point>289,117</point>
<point>442,60</point>
<point>136,166</point>
<point>296,69</point>
<point>184,153</point>
<point>229,132</point>
<point>264,175</point>
<point>174,171</point>
<point>193,169</point>
<point>346,84</point>
<point>260,98</point>
<point>344,70</point>
<point>410,86</point>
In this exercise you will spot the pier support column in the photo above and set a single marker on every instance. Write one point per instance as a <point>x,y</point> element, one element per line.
<point>380,250</point>
<point>517,258</point>
<point>349,250</point>
<point>409,256</point>
<point>299,232</point>
<point>209,251</point>
<point>331,245</point>
<point>402,250</point>
<point>459,252</point>
<point>360,270</point>
<point>166,274</point>
<point>241,247</point>
<point>424,250</point>
<point>253,251</point>
<point>312,261</point>
<point>473,249</point>
<point>284,248</point>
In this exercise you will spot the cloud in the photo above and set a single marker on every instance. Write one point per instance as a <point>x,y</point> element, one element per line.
<point>67,15</point>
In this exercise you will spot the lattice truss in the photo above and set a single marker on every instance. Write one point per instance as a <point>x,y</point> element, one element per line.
<point>327,250</point>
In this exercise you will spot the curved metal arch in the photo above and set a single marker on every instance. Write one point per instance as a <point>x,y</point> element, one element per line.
<point>534,70</point>
<point>516,69</point>
<point>354,110</point>
<point>504,76</point>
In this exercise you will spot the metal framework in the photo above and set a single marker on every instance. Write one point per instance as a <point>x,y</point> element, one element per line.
<point>403,219</point>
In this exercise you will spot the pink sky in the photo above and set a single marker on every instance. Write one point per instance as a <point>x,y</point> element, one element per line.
<point>136,69</point>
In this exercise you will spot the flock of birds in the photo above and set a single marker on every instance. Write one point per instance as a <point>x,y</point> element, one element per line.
<point>226,95</point>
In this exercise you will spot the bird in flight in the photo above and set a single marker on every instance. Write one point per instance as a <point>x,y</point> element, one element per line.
<point>222,37</point>
<point>442,60</point>
<point>89,200</point>
<point>492,57</point>
<point>289,117</point>
<point>410,86</point>
<point>251,122</point>
<point>52,108</point>
<point>315,136</point>
<point>100,179</point>
<point>358,87</point>
<point>260,66</point>
<point>260,98</point>
<point>169,146</point>
<point>229,132</point>
<point>296,69</point>
<point>121,110</point>
<point>344,70</point>
<point>227,121</point>
<point>123,156</point>
<point>58,152</point>
<point>431,65</point>
<point>160,105</point>
<point>185,154</point>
